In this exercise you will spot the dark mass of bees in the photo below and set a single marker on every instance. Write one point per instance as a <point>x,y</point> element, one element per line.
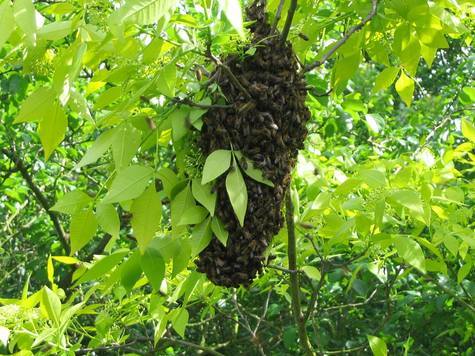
<point>268,128</point>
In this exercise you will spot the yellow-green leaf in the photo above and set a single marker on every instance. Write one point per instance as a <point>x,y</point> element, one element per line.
<point>146,216</point>
<point>378,346</point>
<point>385,78</point>
<point>216,164</point>
<point>52,129</point>
<point>7,24</point>
<point>237,192</point>
<point>468,130</point>
<point>405,88</point>
<point>129,184</point>
<point>83,228</point>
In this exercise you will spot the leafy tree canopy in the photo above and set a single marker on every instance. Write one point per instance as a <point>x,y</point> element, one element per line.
<point>107,197</point>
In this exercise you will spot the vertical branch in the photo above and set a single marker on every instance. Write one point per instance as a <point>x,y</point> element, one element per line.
<point>294,278</point>
<point>288,20</point>
<point>277,16</point>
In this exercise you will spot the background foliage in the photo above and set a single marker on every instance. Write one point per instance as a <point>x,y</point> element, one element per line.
<point>100,104</point>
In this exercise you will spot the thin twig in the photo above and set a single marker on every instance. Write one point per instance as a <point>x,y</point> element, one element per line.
<point>346,37</point>
<point>230,74</point>
<point>206,349</point>
<point>277,16</point>
<point>189,102</point>
<point>39,196</point>
<point>266,306</point>
<point>286,270</point>
<point>288,20</point>
<point>294,279</point>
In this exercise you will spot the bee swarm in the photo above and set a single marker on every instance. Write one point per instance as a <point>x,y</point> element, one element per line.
<point>269,129</point>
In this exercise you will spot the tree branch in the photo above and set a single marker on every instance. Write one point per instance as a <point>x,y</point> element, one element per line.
<point>189,102</point>
<point>346,37</point>
<point>206,349</point>
<point>294,278</point>
<point>277,16</point>
<point>288,20</point>
<point>39,196</point>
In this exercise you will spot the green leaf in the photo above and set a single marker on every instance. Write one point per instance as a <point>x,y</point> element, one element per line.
<point>216,164</point>
<point>405,88</point>
<point>142,12</point>
<point>322,201</point>
<point>67,260</point>
<point>373,178</point>
<point>219,230</point>
<point>25,17</point>
<point>108,219</point>
<point>146,216</point>
<point>410,251</point>
<point>102,267</point>
<point>72,202</point>
<point>125,144</point>
<point>232,10</point>
<point>51,304</point>
<point>77,103</point>
<point>108,97</point>
<point>237,193</point>
<point>179,125</point>
<point>252,171</point>
<point>193,215</point>
<point>182,257</point>
<point>312,272</point>
<point>409,199</point>
<point>385,78</point>
<point>201,237</point>
<point>129,184</point>
<point>183,201</point>
<point>37,106</point>
<point>167,79</point>
<point>344,69</point>
<point>52,129</point>
<point>378,346</point>
<point>169,180</point>
<point>83,228</point>
<point>7,25</point>
<point>98,148</point>
<point>56,30</point>
<point>153,266</point>
<point>180,321</point>
<point>464,271</point>
<point>204,195</point>
<point>468,130</point>
<point>130,271</point>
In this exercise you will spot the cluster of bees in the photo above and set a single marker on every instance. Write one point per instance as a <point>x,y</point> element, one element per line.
<point>269,129</point>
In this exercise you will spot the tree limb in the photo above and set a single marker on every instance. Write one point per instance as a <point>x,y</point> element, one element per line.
<point>288,20</point>
<point>277,16</point>
<point>206,349</point>
<point>40,197</point>
<point>346,37</point>
<point>294,279</point>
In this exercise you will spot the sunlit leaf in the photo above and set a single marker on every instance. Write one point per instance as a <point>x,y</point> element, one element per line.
<point>237,193</point>
<point>216,164</point>
<point>129,184</point>
<point>405,88</point>
<point>378,346</point>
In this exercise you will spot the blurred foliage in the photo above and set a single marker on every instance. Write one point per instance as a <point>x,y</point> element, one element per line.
<point>97,91</point>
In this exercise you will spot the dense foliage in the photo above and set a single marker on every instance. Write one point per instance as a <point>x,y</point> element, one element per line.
<point>108,193</point>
